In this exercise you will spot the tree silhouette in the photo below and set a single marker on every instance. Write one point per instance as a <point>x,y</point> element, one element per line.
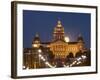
<point>50,56</point>
<point>59,62</point>
<point>78,54</point>
<point>71,55</point>
<point>69,58</point>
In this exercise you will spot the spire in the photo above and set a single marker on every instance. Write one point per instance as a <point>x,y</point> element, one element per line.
<point>59,22</point>
<point>79,35</point>
<point>37,35</point>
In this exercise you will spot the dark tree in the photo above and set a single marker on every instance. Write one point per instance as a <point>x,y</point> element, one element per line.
<point>59,62</point>
<point>69,58</point>
<point>88,55</point>
<point>78,54</point>
<point>71,55</point>
<point>51,56</point>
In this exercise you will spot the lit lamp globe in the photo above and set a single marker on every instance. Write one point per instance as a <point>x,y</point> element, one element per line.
<point>39,51</point>
<point>67,39</point>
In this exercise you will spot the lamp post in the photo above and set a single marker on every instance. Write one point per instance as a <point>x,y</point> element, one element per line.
<point>39,52</point>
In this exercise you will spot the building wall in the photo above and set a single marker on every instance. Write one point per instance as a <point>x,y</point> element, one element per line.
<point>62,49</point>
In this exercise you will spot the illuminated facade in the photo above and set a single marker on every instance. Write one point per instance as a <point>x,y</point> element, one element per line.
<point>59,47</point>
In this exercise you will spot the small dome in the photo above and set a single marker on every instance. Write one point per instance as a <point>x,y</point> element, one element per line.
<point>80,38</point>
<point>59,28</point>
<point>36,39</point>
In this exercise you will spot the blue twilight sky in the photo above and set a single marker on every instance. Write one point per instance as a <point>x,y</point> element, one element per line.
<point>43,23</point>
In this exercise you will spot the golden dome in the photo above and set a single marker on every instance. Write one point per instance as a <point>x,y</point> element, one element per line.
<point>59,27</point>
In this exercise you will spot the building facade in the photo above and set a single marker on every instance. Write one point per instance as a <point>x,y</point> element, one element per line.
<point>58,46</point>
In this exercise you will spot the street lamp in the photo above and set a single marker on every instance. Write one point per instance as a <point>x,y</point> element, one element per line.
<point>39,51</point>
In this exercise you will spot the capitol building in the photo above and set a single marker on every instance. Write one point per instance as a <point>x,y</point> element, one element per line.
<point>54,53</point>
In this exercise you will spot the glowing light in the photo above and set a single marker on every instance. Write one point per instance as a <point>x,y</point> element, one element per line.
<point>84,57</point>
<point>70,65</point>
<point>79,59</point>
<point>46,62</point>
<point>67,39</point>
<point>35,45</point>
<point>74,62</point>
<point>79,62</point>
<point>39,51</point>
<point>40,55</point>
<point>66,66</point>
<point>24,67</point>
